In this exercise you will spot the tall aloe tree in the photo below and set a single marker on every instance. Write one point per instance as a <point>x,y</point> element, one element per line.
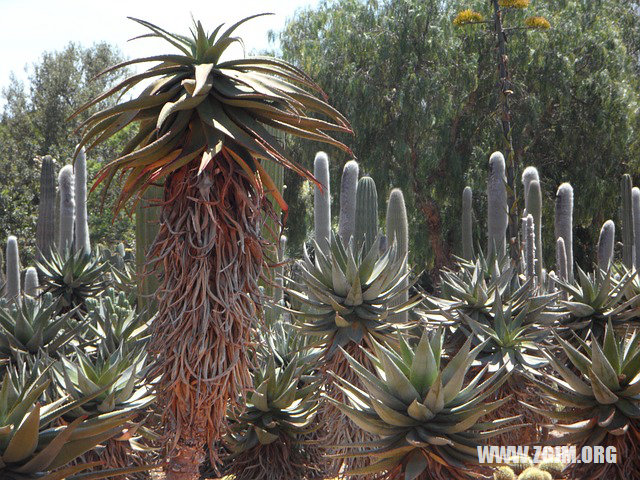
<point>202,133</point>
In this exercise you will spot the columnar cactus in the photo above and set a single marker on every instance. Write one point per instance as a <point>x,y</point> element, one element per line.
<point>564,223</point>
<point>530,174</point>
<point>67,208</point>
<point>627,222</point>
<point>497,215</point>
<point>531,248</point>
<point>606,244</point>
<point>322,201</point>
<point>534,207</point>
<point>279,280</point>
<point>635,204</point>
<point>31,284</point>
<point>46,226</point>
<point>397,228</point>
<point>366,213</point>
<point>82,241</point>
<point>348,191</point>
<point>561,260</point>
<point>147,224</point>
<point>467,224</point>
<point>12,287</point>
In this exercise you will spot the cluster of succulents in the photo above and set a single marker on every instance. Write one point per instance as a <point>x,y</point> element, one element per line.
<point>522,468</point>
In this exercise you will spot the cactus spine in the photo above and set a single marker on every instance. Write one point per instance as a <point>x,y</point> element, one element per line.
<point>529,175</point>
<point>397,228</point>
<point>530,248</point>
<point>605,245</point>
<point>348,189</point>
<point>467,224</point>
<point>366,213</point>
<point>82,241</point>
<point>627,222</point>
<point>67,208</point>
<point>322,201</point>
<point>497,215</point>
<point>46,226</point>
<point>31,283</point>
<point>564,223</point>
<point>534,196</point>
<point>561,260</point>
<point>12,288</point>
<point>635,208</point>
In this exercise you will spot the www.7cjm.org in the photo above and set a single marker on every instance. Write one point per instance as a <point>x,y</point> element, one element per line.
<point>493,454</point>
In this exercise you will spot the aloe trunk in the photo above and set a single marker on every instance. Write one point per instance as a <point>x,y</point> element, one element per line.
<point>348,193</point>
<point>67,208</point>
<point>498,212</point>
<point>366,214</point>
<point>82,241</point>
<point>46,226</point>
<point>467,224</point>
<point>322,202</point>
<point>564,223</point>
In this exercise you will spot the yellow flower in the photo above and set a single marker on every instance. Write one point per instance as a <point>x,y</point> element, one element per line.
<point>537,22</point>
<point>513,3</point>
<point>467,16</point>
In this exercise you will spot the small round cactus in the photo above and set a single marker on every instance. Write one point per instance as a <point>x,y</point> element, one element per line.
<point>553,466</point>
<point>519,464</point>
<point>533,473</point>
<point>504,473</point>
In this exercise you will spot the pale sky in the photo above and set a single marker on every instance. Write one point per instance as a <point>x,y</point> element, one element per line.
<point>30,27</point>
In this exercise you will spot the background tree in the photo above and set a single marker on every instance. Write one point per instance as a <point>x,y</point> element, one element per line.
<point>421,96</point>
<point>34,123</point>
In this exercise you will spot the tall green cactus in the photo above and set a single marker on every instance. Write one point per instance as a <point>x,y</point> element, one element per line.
<point>31,283</point>
<point>147,225</point>
<point>46,225</point>
<point>282,253</point>
<point>497,214</point>
<point>564,223</point>
<point>366,213</point>
<point>67,208</point>
<point>81,225</point>
<point>12,287</point>
<point>467,224</point>
<point>628,236</point>
<point>530,248</point>
<point>348,192</point>
<point>397,227</point>
<point>534,208</point>
<point>322,201</point>
<point>561,260</point>
<point>635,207</point>
<point>606,244</point>
<point>530,174</point>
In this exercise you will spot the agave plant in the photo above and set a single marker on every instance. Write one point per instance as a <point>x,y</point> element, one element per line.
<point>114,323</point>
<point>349,299</point>
<point>34,327</point>
<point>73,277</point>
<point>597,298</point>
<point>426,419</point>
<point>270,437</point>
<point>34,446</point>
<point>598,400</point>
<point>202,134</point>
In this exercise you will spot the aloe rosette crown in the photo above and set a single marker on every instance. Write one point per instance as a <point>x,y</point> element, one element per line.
<point>32,446</point>
<point>599,394</point>
<point>426,417</point>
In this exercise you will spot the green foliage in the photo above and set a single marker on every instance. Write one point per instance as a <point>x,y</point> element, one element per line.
<point>420,95</point>
<point>34,122</point>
